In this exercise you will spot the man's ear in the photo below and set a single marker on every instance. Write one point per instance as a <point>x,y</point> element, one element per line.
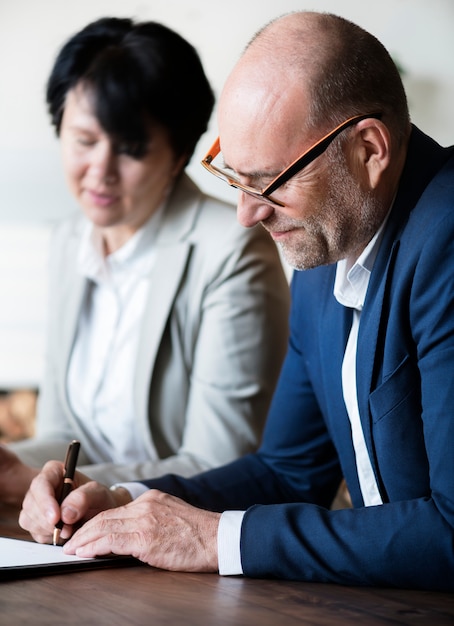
<point>372,151</point>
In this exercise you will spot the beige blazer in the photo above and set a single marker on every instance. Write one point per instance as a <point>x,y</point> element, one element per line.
<point>212,343</point>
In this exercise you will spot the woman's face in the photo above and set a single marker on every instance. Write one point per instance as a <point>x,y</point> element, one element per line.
<point>117,192</point>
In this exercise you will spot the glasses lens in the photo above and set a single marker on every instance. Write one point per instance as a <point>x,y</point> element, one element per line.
<point>217,167</point>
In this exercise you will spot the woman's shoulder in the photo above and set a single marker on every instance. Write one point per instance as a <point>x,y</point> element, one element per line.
<point>67,233</point>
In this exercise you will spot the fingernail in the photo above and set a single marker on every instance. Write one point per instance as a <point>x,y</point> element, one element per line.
<point>69,514</point>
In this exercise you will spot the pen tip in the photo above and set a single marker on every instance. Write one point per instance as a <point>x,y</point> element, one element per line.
<point>56,536</point>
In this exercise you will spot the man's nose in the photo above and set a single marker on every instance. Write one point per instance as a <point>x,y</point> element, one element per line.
<point>252,211</point>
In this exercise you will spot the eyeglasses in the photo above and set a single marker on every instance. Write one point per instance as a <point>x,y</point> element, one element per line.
<point>301,162</point>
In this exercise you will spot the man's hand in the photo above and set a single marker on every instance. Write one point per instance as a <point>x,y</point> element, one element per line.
<point>15,477</point>
<point>156,528</point>
<point>41,511</point>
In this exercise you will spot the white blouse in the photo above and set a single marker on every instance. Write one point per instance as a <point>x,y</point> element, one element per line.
<point>101,372</point>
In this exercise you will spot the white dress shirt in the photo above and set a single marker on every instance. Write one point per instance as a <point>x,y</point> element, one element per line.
<point>350,289</point>
<point>102,365</point>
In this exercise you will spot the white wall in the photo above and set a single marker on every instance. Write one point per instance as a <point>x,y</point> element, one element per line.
<point>23,297</point>
<point>418,33</point>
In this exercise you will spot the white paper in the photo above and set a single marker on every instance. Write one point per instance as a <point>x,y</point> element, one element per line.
<point>19,553</point>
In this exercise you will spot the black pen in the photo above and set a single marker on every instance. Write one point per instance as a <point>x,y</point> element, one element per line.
<point>70,468</point>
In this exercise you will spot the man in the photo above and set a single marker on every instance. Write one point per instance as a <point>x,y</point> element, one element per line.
<point>365,391</point>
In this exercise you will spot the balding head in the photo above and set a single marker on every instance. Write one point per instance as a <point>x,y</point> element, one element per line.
<point>272,74</point>
<point>339,69</point>
<point>290,46</point>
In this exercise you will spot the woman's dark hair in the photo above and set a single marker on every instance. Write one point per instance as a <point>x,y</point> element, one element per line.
<point>138,73</point>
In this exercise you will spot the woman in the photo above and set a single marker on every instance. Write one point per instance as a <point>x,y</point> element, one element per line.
<point>167,320</point>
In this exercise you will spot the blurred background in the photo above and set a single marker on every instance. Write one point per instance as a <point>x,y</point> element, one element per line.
<point>417,33</point>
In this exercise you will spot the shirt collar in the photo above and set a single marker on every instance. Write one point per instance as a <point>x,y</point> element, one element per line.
<point>136,255</point>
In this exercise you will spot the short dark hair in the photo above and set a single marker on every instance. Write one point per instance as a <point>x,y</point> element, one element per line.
<point>139,73</point>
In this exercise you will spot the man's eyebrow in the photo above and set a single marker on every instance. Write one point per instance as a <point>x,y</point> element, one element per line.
<point>252,175</point>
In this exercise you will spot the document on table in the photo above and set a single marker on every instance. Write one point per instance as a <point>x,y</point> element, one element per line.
<point>20,558</point>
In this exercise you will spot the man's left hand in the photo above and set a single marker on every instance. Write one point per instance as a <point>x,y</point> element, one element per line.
<point>156,528</point>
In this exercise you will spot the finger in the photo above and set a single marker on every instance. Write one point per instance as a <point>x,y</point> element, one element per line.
<point>97,537</point>
<point>26,523</point>
<point>127,529</point>
<point>40,507</point>
<point>40,533</point>
<point>86,502</point>
<point>40,501</point>
<point>101,546</point>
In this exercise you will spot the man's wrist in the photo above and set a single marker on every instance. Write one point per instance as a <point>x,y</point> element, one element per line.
<point>135,489</point>
<point>121,495</point>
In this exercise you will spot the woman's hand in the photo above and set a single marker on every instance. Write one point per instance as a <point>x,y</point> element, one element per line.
<point>41,510</point>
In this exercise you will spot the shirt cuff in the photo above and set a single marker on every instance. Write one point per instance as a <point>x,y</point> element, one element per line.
<point>135,489</point>
<point>229,534</point>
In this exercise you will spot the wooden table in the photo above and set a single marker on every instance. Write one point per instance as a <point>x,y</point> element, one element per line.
<point>143,595</point>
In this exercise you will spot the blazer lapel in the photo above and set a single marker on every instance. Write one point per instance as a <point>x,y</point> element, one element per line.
<point>173,251</point>
<point>335,324</point>
<point>334,327</point>
<point>369,356</point>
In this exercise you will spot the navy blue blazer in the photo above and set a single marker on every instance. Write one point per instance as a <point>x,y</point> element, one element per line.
<point>405,380</point>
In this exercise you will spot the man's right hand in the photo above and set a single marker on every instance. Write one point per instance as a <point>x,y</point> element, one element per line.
<point>41,510</point>
<point>15,477</point>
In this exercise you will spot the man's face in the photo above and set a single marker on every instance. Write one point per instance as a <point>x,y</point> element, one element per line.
<point>327,216</point>
<point>329,213</point>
